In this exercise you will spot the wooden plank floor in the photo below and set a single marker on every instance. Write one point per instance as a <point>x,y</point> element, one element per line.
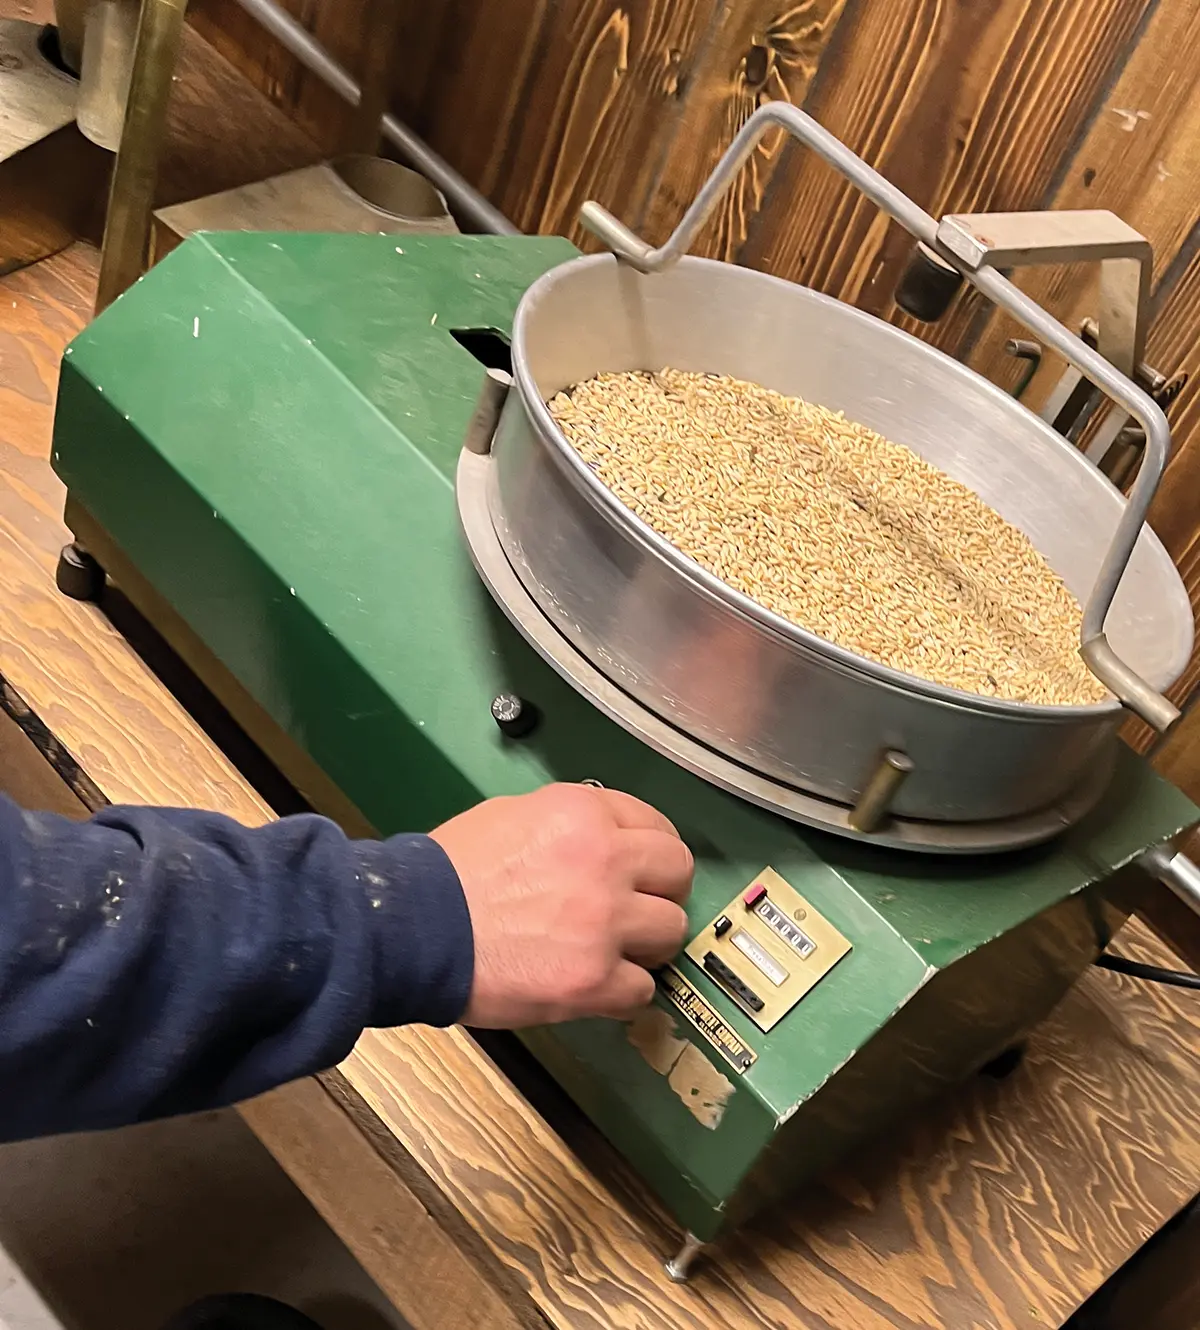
<point>1005,1206</point>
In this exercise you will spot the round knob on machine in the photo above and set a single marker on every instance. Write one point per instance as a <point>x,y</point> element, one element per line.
<point>514,717</point>
<point>928,286</point>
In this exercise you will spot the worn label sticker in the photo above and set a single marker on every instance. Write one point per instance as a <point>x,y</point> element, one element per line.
<point>676,989</point>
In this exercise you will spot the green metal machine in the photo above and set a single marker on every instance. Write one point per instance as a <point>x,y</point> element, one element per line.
<point>262,442</point>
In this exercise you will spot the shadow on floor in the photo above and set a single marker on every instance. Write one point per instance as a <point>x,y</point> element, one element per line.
<point>123,1228</point>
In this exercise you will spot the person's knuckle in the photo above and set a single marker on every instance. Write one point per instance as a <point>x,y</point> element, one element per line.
<point>687,860</point>
<point>678,927</point>
<point>588,982</point>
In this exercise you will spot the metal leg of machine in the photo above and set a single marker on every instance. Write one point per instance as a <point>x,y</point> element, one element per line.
<point>679,1267</point>
<point>131,203</point>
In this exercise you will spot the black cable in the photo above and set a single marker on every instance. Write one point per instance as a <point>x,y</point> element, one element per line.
<point>1155,973</point>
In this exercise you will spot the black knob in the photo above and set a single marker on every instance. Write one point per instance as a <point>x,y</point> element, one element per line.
<point>515,718</point>
<point>928,286</point>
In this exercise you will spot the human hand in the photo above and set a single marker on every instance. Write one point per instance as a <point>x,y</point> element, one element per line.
<point>575,894</point>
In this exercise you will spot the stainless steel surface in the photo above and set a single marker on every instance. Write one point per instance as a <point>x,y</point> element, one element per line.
<point>743,681</point>
<point>476,510</point>
<point>1176,871</point>
<point>493,392</point>
<point>1031,239</point>
<point>294,37</point>
<point>1064,407</point>
<point>679,1267</point>
<point>110,37</point>
<point>1126,683</point>
<point>879,794</point>
<point>126,247</point>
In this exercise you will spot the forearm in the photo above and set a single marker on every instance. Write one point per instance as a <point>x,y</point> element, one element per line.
<point>157,962</point>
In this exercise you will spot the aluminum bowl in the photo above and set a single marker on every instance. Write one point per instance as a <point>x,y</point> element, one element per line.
<point>730,673</point>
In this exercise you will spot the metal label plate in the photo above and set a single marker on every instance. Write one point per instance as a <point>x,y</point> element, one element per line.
<point>681,995</point>
<point>788,936</point>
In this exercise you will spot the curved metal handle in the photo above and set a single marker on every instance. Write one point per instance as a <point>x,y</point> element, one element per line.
<point>1104,663</point>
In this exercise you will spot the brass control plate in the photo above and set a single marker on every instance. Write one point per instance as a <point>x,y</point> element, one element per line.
<point>768,947</point>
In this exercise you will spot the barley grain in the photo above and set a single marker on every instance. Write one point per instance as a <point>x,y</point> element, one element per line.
<point>836,529</point>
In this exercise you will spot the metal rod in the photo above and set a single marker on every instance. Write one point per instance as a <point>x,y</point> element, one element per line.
<point>1127,685</point>
<point>131,200</point>
<point>679,1267</point>
<point>1155,973</point>
<point>876,800</point>
<point>1176,871</point>
<point>381,36</point>
<point>294,37</point>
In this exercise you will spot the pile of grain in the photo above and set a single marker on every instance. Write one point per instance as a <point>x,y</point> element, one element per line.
<point>836,529</point>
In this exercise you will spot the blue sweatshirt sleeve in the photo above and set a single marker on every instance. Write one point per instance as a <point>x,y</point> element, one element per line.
<point>155,962</point>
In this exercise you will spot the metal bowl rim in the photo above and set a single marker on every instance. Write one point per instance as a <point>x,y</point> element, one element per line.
<point>628,522</point>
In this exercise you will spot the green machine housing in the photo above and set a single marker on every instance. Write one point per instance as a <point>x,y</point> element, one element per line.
<point>259,442</point>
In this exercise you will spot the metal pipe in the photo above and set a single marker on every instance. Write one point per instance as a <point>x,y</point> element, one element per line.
<point>1176,871</point>
<point>109,46</point>
<point>876,800</point>
<point>131,201</point>
<point>382,25</point>
<point>1128,686</point>
<point>295,38</point>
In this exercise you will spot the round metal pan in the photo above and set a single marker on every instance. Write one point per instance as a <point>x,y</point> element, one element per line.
<point>743,681</point>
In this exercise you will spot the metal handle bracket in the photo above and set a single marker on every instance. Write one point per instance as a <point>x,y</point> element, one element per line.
<point>1124,683</point>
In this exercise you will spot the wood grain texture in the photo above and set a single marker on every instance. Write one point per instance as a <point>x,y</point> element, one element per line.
<point>425,1273</point>
<point>605,73</point>
<point>1001,1208</point>
<point>754,52</point>
<point>269,69</point>
<point>1141,160</point>
<point>965,107</point>
<point>63,658</point>
<point>1175,513</point>
<point>1165,1278</point>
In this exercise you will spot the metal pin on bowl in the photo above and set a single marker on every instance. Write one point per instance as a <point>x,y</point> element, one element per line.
<point>876,800</point>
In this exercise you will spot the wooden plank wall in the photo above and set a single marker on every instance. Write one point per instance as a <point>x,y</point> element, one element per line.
<point>966,104</point>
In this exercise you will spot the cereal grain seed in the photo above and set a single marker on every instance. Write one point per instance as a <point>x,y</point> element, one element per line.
<point>836,529</point>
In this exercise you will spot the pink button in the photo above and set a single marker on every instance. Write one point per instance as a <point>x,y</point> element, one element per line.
<point>753,895</point>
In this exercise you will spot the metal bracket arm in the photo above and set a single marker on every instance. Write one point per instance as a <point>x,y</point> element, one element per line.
<point>1128,686</point>
<point>1026,239</point>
